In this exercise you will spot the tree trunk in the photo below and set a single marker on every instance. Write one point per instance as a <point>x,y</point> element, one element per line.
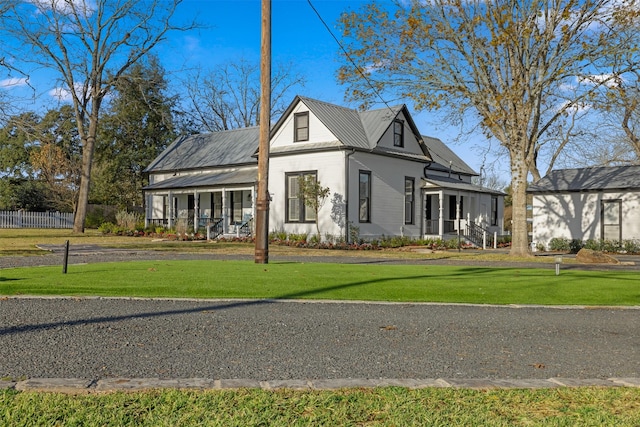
<point>85,181</point>
<point>519,230</point>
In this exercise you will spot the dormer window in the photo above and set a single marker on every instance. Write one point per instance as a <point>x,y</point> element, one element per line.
<point>301,127</point>
<point>398,133</point>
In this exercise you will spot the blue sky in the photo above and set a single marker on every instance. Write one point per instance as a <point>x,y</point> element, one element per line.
<point>298,37</point>
<point>232,32</point>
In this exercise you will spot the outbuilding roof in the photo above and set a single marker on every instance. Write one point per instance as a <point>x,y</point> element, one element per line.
<point>589,179</point>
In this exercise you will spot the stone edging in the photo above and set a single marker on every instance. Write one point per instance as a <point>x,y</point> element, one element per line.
<point>84,386</point>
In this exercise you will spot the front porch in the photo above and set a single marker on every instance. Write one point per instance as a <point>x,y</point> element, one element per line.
<point>465,215</point>
<point>225,212</point>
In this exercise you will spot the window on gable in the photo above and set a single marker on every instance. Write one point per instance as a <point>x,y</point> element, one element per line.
<point>301,126</point>
<point>364,206</point>
<point>296,210</point>
<point>409,200</point>
<point>398,133</point>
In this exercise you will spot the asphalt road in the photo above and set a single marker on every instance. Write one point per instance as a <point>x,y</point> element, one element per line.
<point>278,340</point>
<point>271,340</point>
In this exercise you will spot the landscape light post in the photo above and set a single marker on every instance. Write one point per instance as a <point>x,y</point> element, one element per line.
<point>262,199</point>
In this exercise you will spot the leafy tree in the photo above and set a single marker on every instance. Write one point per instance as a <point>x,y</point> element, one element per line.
<point>16,143</point>
<point>314,196</point>
<point>90,44</point>
<point>57,158</point>
<point>229,97</point>
<point>136,128</point>
<point>516,68</point>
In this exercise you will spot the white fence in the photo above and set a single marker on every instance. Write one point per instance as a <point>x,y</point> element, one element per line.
<point>23,219</point>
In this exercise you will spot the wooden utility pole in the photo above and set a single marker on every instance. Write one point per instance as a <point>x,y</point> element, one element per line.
<point>263,198</point>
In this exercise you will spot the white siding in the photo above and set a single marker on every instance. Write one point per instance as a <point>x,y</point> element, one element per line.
<point>577,216</point>
<point>411,144</point>
<point>330,170</point>
<point>387,195</point>
<point>318,132</point>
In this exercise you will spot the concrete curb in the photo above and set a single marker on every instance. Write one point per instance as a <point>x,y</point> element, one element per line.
<point>84,386</point>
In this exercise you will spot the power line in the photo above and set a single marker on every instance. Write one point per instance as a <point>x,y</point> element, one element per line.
<point>349,56</point>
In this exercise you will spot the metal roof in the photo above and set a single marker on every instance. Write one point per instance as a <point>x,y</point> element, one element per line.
<point>455,184</point>
<point>589,179</point>
<point>353,129</point>
<point>343,122</point>
<point>233,147</point>
<point>442,155</point>
<point>246,176</point>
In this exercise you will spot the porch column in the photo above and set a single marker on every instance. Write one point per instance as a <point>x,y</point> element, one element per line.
<point>224,210</point>
<point>441,214</point>
<point>171,213</point>
<point>148,209</point>
<point>458,213</point>
<point>196,211</point>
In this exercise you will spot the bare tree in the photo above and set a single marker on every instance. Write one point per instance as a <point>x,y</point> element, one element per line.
<point>89,44</point>
<point>229,97</point>
<point>518,68</point>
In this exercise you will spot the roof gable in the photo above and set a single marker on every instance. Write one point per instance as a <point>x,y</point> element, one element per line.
<point>589,179</point>
<point>348,128</point>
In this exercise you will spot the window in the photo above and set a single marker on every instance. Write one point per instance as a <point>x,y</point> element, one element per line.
<point>364,206</point>
<point>236,207</point>
<point>165,207</point>
<point>301,126</point>
<point>611,218</point>
<point>216,205</point>
<point>409,200</point>
<point>296,210</point>
<point>398,133</point>
<point>494,211</point>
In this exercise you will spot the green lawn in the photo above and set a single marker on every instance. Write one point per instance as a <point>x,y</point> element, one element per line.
<point>350,407</point>
<point>282,280</point>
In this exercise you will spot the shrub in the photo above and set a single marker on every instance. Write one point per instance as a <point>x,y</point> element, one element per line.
<point>181,226</point>
<point>631,246</point>
<point>278,236</point>
<point>560,244</point>
<point>575,245</point>
<point>298,238</point>
<point>128,220</point>
<point>106,228</point>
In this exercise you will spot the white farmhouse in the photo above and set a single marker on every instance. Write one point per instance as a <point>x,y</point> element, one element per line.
<point>385,178</point>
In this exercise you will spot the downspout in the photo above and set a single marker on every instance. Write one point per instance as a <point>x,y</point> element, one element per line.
<point>346,190</point>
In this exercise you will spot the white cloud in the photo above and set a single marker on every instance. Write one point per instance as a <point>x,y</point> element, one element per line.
<point>86,7</point>
<point>609,80</point>
<point>61,94</point>
<point>13,82</point>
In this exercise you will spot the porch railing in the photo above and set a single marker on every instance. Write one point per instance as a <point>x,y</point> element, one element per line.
<point>215,228</point>
<point>478,235</point>
<point>246,228</point>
